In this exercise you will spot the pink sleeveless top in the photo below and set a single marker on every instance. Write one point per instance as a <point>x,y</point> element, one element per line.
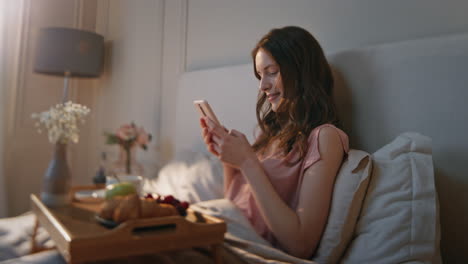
<point>286,180</point>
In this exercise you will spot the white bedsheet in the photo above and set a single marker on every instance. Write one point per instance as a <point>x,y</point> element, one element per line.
<point>194,176</point>
<point>15,241</point>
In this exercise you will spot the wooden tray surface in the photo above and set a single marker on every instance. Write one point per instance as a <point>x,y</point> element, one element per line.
<point>79,236</point>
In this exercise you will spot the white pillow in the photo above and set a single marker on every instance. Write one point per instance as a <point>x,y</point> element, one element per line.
<point>399,218</point>
<point>194,176</point>
<point>348,195</point>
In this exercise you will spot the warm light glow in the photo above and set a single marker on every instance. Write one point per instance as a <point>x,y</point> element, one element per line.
<point>3,197</point>
<point>2,38</point>
<point>2,22</point>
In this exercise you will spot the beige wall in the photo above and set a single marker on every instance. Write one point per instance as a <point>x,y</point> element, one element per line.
<point>3,211</point>
<point>27,153</point>
<point>129,90</point>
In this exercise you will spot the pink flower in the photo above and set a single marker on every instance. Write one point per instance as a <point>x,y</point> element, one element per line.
<point>129,135</point>
<point>126,132</point>
<point>143,138</point>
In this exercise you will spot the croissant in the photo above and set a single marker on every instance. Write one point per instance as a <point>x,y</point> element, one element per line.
<point>107,209</point>
<point>149,208</point>
<point>121,209</point>
<point>129,208</point>
<point>166,210</point>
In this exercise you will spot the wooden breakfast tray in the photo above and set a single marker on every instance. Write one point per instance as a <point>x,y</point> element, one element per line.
<point>80,238</point>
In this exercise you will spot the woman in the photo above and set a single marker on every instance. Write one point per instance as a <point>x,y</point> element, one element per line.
<point>283,182</point>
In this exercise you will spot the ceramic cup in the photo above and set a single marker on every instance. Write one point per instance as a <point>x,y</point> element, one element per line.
<point>136,180</point>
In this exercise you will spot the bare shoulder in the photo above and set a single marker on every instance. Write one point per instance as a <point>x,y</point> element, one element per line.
<point>332,152</point>
<point>329,142</point>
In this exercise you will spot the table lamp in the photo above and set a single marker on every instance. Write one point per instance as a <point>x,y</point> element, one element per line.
<point>69,52</point>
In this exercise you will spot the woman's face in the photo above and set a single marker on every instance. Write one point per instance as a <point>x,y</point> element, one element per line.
<point>270,78</point>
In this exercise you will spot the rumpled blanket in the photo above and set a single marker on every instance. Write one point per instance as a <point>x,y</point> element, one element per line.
<point>241,237</point>
<point>242,244</point>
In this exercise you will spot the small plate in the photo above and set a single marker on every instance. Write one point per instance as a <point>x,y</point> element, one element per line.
<point>105,222</point>
<point>90,195</point>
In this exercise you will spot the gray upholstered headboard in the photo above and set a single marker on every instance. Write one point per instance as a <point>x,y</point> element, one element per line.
<point>422,86</point>
<point>419,85</point>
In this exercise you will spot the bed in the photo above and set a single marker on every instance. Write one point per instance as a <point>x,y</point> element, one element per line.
<point>399,197</point>
<point>382,91</point>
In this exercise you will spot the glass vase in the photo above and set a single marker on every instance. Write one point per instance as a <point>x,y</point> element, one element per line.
<point>57,179</point>
<point>126,163</point>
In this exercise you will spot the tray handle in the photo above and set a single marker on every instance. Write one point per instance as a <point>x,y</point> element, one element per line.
<point>149,226</point>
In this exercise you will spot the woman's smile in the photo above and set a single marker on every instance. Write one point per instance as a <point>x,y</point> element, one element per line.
<point>273,96</point>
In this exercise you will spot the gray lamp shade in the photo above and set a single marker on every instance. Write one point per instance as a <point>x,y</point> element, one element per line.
<point>62,50</point>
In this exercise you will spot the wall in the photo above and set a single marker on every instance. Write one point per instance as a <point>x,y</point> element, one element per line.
<point>212,33</point>
<point>129,90</point>
<point>3,202</point>
<point>27,153</point>
<point>224,32</point>
<point>215,33</point>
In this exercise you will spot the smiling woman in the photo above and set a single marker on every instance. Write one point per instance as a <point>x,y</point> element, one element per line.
<point>283,182</point>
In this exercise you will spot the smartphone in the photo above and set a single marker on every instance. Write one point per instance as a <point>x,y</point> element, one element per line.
<point>205,109</point>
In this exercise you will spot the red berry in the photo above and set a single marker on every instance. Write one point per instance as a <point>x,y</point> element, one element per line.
<point>168,199</point>
<point>184,204</point>
<point>148,195</point>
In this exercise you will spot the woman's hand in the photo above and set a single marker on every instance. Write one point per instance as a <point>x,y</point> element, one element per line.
<point>207,136</point>
<point>231,147</point>
<point>228,169</point>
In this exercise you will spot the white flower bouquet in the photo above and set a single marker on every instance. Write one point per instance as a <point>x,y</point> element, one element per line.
<point>61,122</point>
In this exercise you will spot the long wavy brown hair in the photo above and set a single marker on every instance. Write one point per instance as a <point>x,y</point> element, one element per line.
<point>308,91</point>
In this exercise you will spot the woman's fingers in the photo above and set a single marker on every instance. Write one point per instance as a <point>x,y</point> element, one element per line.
<point>212,149</point>
<point>217,140</point>
<point>236,133</point>
<point>202,122</point>
<point>216,148</point>
<point>205,131</point>
<point>215,128</point>
<point>206,135</point>
<point>229,146</point>
<point>209,133</point>
<point>208,122</point>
